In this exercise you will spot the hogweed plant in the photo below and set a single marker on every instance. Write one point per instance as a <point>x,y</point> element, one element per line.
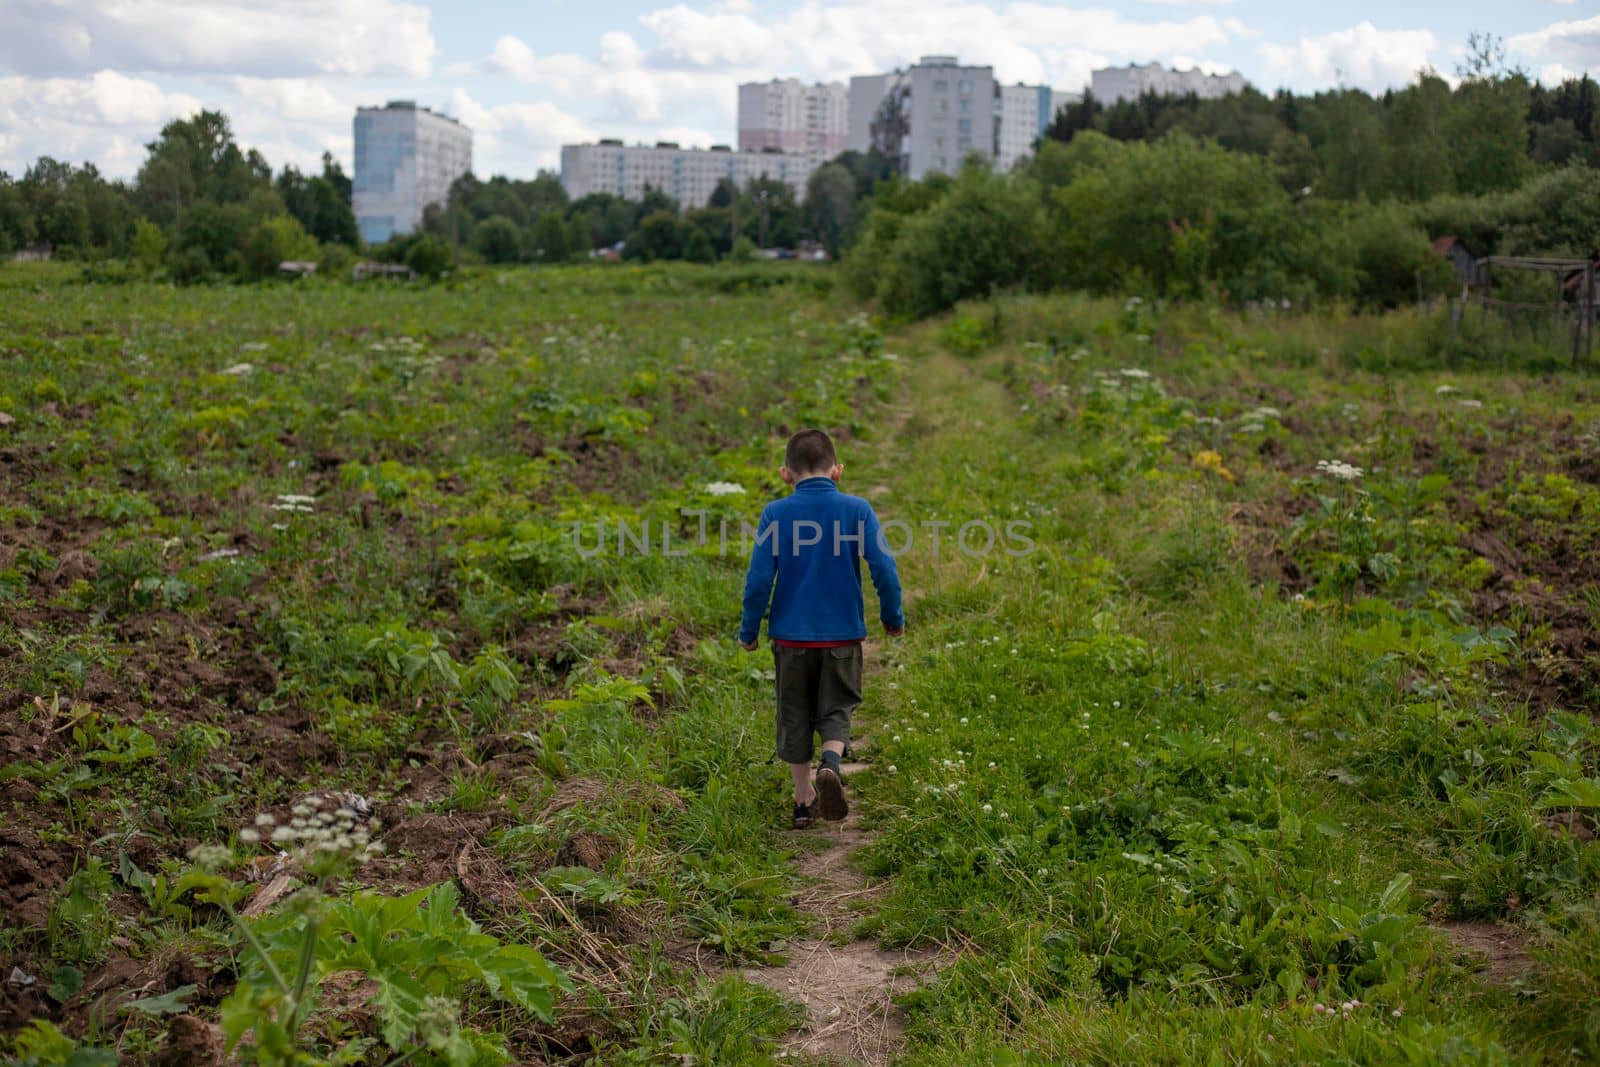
<point>417,950</point>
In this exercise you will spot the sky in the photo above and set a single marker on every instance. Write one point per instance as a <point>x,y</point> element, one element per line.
<point>94,80</point>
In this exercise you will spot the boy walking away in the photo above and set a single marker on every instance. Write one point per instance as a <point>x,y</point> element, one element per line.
<point>807,565</point>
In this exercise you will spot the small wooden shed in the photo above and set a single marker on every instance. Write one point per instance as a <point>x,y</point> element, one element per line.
<point>1469,271</point>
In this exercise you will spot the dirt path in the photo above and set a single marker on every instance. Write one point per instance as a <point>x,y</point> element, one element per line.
<point>846,984</point>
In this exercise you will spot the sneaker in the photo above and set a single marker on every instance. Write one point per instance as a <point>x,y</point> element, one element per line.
<point>830,794</point>
<point>804,816</point>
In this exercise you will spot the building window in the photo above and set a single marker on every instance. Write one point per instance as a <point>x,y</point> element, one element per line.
<point>944,106</point>
<point>966,104</point>
<point>965,125</point>
<point>941,87</point>
<point>965,87</point>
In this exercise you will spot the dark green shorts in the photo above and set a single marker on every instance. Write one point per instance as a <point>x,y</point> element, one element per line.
<point>818,688</point>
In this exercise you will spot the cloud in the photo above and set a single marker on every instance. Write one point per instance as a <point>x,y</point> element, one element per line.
<point>624,92</point>
<point>1363,57</point>
<point>694,57</point>
<point>517,138</point>
<point>104,119</point>
<point>233,37</point>
<point>1576,43</point>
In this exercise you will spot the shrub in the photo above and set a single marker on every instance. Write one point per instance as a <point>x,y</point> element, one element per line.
<point>429,257</point>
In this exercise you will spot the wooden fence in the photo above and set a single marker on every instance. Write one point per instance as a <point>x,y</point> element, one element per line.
<point>1575,296</point>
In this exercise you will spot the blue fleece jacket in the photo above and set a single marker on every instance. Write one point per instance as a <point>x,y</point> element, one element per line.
<point>807,563</point>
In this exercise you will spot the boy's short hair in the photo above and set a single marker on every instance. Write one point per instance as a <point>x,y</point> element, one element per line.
<point>810,451</point>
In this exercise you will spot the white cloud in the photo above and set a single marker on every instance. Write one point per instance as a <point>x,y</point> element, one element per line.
<point>1363,57</point>
<point>104,119</point>
<point>1576,43</point>
<point>234,37</point>
<point>517,138</point>
<point>695,57</point>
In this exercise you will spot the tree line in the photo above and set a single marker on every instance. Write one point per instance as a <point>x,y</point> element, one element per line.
<point>1333,195</point>
<point>201,206</point>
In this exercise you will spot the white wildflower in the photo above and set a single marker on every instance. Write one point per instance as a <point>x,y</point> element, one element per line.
<point>1133,372</point>
<point>724,488</point>
<point>987,808</point>
<point>249,836</point>
<point>239,369</point>
<point>1444,390</point>
<point>1338,468</point>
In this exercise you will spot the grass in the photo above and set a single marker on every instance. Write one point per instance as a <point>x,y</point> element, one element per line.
<point>1233,738</point>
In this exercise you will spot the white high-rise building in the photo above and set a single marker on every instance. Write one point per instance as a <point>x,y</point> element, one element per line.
<point>938,112</point>
<point>1112,84</point>
<point>866,94</point>
<point>786,115</point>
<point>406,158</point>
<point>1025,113</point>
<point>930,117</point>
<point>688,175</point>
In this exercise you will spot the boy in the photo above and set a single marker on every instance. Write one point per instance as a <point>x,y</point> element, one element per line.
<point>810,545</point>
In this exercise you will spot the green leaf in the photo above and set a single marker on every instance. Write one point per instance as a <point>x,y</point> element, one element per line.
<point>168,1003</point>
<point>65,981</point>
<point>1574,793</point>
<point>1394,894</point>
<point>1326,824</point>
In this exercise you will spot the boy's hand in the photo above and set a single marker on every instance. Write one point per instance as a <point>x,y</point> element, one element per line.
<point>901,632</point>
<point>750,646</point>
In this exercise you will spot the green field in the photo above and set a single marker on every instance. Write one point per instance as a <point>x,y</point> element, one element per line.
<point>1276,747</point>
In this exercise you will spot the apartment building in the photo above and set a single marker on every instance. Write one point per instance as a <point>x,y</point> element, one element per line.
<point>936,113</point>
<point>406,157</point>
<point>786,115</point>
<point>1112,84</point>
<point>688,175</point>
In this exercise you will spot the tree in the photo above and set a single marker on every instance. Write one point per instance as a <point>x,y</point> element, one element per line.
<point>275,240</point>
<point>196,159</point>
<point>578,237</point>
<point>498,239</point>
<point>1174,215</point>
<point>1075,118</point>
<point>1418,147</point>
<point>217,230</point>
<point>831,205</point>
<point>987,232</point>
<point>659,236</point>
<point>1489,121</point>
<point>429,257</point>
<point>697,249</point>
<point>149,246</point>
<point>550,238</point>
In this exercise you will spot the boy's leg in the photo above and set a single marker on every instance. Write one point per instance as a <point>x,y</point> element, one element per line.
<point>804,792</point>
<point>797,672</point>
<point>839,694</point>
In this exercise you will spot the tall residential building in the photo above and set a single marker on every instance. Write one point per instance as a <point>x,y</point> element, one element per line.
<point>932,116</point>
<point>1026,111</point>
<point>406,158</point>
<point>866,94</point>
<point>688,175</point>
<point>786,115</point>
<point>1129,83</point>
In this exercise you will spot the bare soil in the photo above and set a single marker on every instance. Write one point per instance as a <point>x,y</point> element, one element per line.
<point>847,985</point>
<point>1501,951</point>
